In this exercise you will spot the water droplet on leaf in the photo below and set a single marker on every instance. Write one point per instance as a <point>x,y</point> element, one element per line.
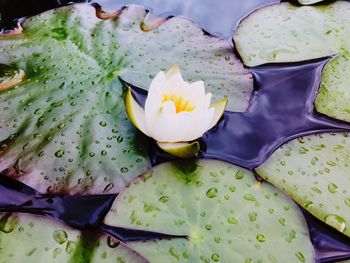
<point>212,192</point>
<point>60,236</point>
<point>59,153</point>
<point>336,221</point>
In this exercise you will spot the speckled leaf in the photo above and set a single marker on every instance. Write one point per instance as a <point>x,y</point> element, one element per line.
<point>28,238</point>
<point>286,33</point>
<point>315,172</point>
<point>64,129</point>
<point>333,98</point>
<point>199,56</point>
<point>227,215</point>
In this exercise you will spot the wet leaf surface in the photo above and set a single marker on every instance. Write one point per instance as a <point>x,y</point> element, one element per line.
<point>29,238</point>
<point>64,129</point>
<point>226,213</point>
<point>314,171</point>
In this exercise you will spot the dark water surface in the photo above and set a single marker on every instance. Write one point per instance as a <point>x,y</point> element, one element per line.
<point>280,110</point>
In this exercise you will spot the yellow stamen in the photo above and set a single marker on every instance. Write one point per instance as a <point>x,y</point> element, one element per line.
<point>180,104</point>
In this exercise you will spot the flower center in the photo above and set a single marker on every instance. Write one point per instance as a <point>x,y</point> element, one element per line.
<point>181,104</point>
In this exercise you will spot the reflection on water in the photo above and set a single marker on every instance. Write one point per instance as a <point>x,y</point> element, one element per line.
<point>218,17</point>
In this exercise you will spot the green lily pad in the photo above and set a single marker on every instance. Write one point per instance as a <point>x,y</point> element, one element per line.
<point>287,33</point>
<point>29,238</point>
<point>315,172</point>
<point>227,215</point>
<point>64,128</point>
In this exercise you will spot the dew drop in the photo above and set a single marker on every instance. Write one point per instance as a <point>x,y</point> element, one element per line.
<point>108,187</point>
<point>232,220</point>
<point>240,174</point>
<point>111,242</point>
<point>332,188</point>
<point>316,190</point>
<point>70,247</point>
<point>292,235</point>
<point>103,123</point>
<point>104,255</point>
<point>124,169</point>
<point>252,216</point>
<point>185,254</point>
<point>56,252</point>
<point>59,153</point>
<point>308,204</point>
<point>60,236</point>
<point>31,252</point>
<point>347,201</point>
<point>8,223</point>
<point>199,183</point>
<point>212,192</point>
<point>163,199</point>
<point>173,253</point>
<point>249,197</point>
<point>260,238</point>
<point>282,221</point>
<point>215,257</point>
<point>38,111</point>
<point>336,221</point>
<point>232,188</point>
<point>300,256</point>
<point>217,240</point>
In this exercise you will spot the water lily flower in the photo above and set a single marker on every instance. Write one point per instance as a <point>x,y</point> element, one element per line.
<point>176,112</point>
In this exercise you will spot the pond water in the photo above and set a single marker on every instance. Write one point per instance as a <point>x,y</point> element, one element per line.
<point>280,110</point>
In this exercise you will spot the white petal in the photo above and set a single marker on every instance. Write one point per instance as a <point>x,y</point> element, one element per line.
<point>207,100</point>
<point>158,83</point>
<point>174,82</point>
<point>168,108</point>
<point>198,87</point>
<point>173,70</point>
<point>185,126</point>
<point>154,97</point>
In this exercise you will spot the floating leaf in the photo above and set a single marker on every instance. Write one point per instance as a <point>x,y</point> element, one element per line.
<point>227,215</point>
<point>28,238</point>
<point>64,129</point>
<point>286,33</point>
<point>180,41</point>
<point>315,172</point>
